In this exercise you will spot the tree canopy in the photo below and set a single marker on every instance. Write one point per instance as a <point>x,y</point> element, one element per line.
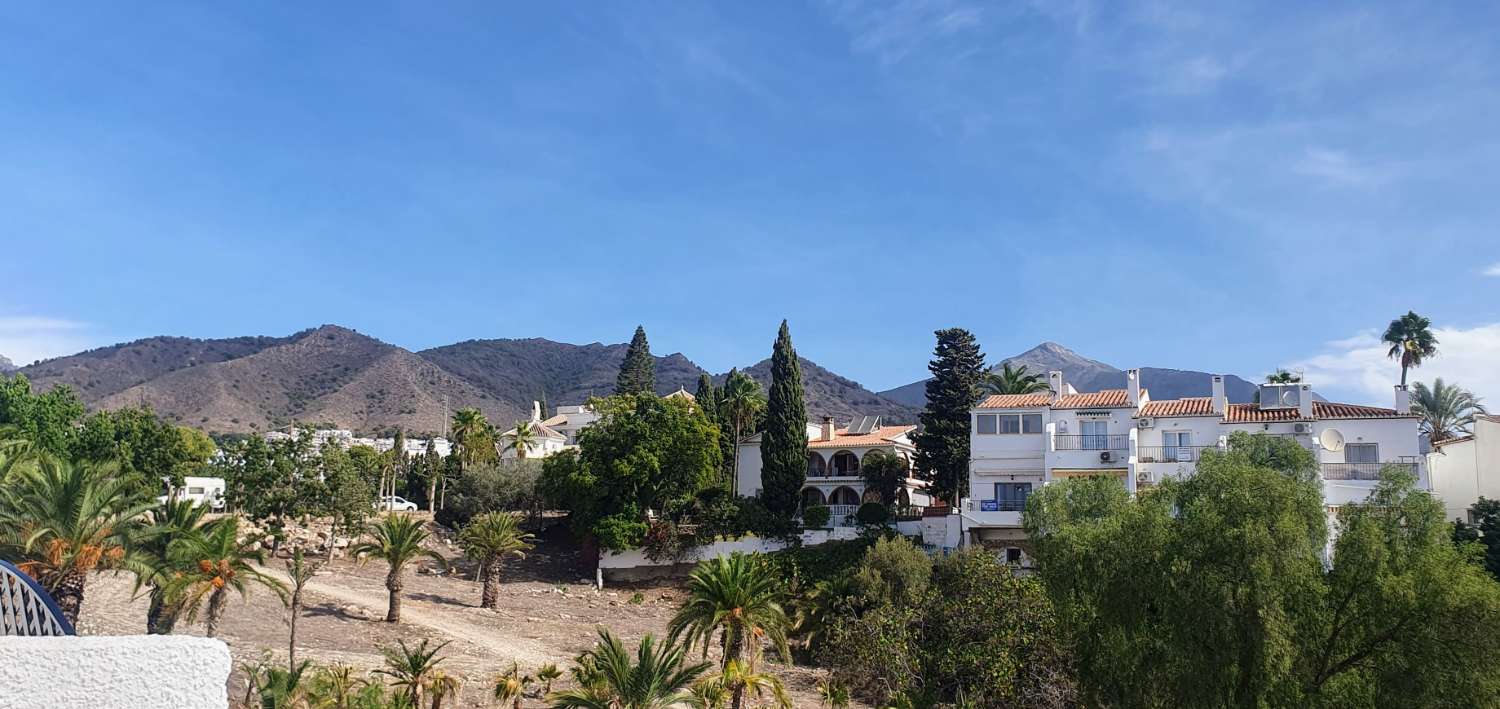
<point>783,443</point>
<point>942,445</point>
<point>638,371</point>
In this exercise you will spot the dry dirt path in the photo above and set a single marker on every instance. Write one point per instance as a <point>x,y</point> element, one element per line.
<point>523,650</point>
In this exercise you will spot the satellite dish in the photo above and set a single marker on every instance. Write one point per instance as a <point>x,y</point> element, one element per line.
<point>1331,440</point>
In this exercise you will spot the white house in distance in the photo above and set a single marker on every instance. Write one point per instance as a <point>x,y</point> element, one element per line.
<point>346,439</point>
<point>1467,468</point>
<point>1020,442</point>
<point>546,440</point>
<point>833,464</point>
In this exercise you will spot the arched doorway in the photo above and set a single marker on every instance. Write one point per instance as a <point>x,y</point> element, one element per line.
<point>812,497</point>
<point>844,496</point>
<point>816,468</point>
<point>845,463</point>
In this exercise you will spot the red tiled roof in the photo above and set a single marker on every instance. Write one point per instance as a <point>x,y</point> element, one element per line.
<point>1331,410</point>
<point>1104,398</point>
<point>1190,406</point>
<point>1252,413</point>
<point>1015,401</point>
<point>1447,441</point>
<point>843,439</point>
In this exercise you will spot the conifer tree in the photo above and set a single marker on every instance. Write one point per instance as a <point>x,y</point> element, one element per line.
<point>943,445</point>
<point>638,371</point>
<point>707,400</point>
<point>783,444</point>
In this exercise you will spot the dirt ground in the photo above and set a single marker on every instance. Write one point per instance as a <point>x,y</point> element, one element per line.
<point>549,612</point>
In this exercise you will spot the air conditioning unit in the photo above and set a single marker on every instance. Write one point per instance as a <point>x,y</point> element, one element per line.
<point>1302,428</point>
<point>1145,422</point>
<point>1143,477</point>
<point>1106,457</point>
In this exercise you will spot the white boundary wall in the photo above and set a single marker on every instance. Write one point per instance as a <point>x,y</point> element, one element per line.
<point>113,672</point>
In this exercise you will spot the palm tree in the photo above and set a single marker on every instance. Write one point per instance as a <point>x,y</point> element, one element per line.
<point>1411,340</point>
<point>440,686</point>
<point>1013,381</point>
<point>168,522</point>
<point>411,668</point>
<point>659,677</point>
<point>209,563</point>
<point>490,539</point>
<point>398,541</point>
<point>737,597</point>
<point>282,689</point>
<point>739,402</point>
<point>547,674</point>
<point>511,686</point>
<point>739,678</point>
<point>1281,376</point>
<point>61,520</point>
<point>522,438</point>
<point>301,573</point>
<point>471,435</point>
<point>1447,410</point>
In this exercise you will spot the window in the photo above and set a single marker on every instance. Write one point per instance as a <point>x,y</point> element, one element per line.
<point>1095,435</point>
<point>1175,446</point>
<point>1012,555</point>
<point>1031,423</point>
<point>985,424</point>
<point>1010,423</point>
<point>1361,453</point>
<point>1012,496</point>
<point>195,491</point>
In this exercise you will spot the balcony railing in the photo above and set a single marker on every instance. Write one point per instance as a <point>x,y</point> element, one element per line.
<point>842,515</point>
<point>1091,442</point>
<point>999,506</point>
<point>1365,471</point>
<point>1170,454</point>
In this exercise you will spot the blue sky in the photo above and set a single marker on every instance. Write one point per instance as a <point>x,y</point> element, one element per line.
<point>1162,184</point>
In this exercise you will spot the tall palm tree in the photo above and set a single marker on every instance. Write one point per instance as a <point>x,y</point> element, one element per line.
<point>490,539</point>
<point>736,597</point>
<point>522,438</point>
<point>61,520</point>
<point>210,562</point>
<point>659,677</point>
<point>1447,410</point>
<point>1013,381</point>
<point>411,667</point>
<point>397,541</point>
<point>168,522</point>
<point>470,436</point>
<point>1411,340</point>
<point>739,402</point>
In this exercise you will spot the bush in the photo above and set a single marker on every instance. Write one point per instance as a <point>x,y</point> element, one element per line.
<point>619,533</point>
<point>872,513</point>
<point>803,567</point>
<point>894,571</point>
<point>815,517</point>
<point>509,485</point>
<point>664,541</point>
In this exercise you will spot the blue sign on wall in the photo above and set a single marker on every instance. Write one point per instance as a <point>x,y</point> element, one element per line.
<point>989,505</point>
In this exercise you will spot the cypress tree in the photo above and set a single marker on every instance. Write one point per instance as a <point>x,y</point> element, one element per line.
<point>707,399</point>
<point>943,445</point>
<point>638,371</point>
<point>783,444</point>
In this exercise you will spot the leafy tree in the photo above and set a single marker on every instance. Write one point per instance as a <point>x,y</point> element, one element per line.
<point>164,525</point>
<point>894,572</point>
<point>658,678</point>
<point>884,473</point>
<point>1447,410</point>
<point>411,667</point>
<point>1411,340</point>
<point>505,485</point>
<point>1485,530</point>
<point>46,419</point>
<point>60,520</point>
<point>783,443</point>
<point>738,598</point>
<point>1013,381</point>
<point>638,371</point>
<point>141,442</point>
<point>1282,376</point>
<point>397,541</point>
<point>271,482</point>
<point>741,401</point>
<point>490,539</point>
<point>210,563</point>
<point>943,444</point>
<point>345,495</point>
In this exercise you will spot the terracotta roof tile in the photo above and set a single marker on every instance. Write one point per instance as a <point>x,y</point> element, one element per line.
<point>879,437</point>
<point>1104,399</point>
<point>1331,410</point>
<point>1190,406</point>
<point>1252,413</point>
<point>1015,401</point>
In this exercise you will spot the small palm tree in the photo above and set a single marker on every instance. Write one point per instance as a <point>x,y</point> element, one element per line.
<point>511,686</point>
<point>210,562</point>
<point>440,686</point>
<point>738,679</point>
<point>833,694</point>
<point>282,689</point>
<point>736,597</point>
<point>490,539</point>
<point>61,520</point>
<point>1411,340</point>
<point>301,573</point>
<point>168,522</point>
<point>547,674</point>
<point>1013,381</point>
<point>659,677</point>
<point>398,542</point>
<point>411,668</point>
<point>1447,410</point>
<point>522,438</point>
<point>1282,376</point>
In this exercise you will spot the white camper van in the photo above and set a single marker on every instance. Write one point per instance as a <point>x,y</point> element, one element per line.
<point>202,491</point>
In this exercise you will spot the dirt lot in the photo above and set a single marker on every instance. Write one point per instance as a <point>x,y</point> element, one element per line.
<point>548,613</point>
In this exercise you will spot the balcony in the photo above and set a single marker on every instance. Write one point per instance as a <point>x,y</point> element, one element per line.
<point>1091,442</point>
<point>995,513</point>
<point>1170,454</point>
<point>1366,471</point>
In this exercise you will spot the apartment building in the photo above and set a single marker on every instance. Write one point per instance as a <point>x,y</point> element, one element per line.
<point>1467,468</point>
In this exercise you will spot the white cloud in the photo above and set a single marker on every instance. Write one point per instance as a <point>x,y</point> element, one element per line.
<point>1357,368</point>
<point>27,338</point>
<point>1493,270</point>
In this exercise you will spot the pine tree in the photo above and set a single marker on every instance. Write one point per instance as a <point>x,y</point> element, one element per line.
<point>638,371</point>
<point>783,445</point>
<point>943,445</point>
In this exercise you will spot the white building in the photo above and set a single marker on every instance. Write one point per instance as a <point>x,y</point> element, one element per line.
<point>1020,442</point>
<point>1467,468</point>
<point>834,456</point>
<point>346,439</point>
<point>552,435</point>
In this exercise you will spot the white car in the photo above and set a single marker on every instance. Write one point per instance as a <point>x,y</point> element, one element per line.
<point>396,503</point>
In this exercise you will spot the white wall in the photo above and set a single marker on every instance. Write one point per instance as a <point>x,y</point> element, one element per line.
<point>1463,472</point>
<point>113,672</point>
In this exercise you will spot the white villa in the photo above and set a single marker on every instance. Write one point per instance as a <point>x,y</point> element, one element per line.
<point>833,464</point>
<point>1020,442</point>
<point>1467,468</point>
<point>552,435</point>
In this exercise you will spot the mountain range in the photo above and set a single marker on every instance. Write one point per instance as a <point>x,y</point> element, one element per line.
<point>6,365</point>
<point>334,376</point>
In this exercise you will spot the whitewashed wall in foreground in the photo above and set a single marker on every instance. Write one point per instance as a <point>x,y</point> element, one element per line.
<point>113,672</point>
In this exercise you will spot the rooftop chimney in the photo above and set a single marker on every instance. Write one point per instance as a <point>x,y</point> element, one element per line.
<point>1304,401</point>
<point>827,432</point>
<point>1055,380</point>
<point>1403,399</point>
<point>1220,400</point>
<point>536,411</point>
<point>1133,386</point>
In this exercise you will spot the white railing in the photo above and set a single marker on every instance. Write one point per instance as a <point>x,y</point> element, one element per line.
<point>842,515</point>
<point>26,609</point>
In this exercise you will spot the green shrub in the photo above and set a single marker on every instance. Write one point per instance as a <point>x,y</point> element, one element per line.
<point>508,485</point>
<point>804,567</point>
<point>893,571</point>
<point>815,517</point>
<point>872,513</point>
<point>619,533</point>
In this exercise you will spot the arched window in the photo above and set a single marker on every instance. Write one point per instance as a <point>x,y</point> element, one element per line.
<point>844,496</point>
<point>845,463</point>
<point>812,497</point>
<point>815,466</point>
